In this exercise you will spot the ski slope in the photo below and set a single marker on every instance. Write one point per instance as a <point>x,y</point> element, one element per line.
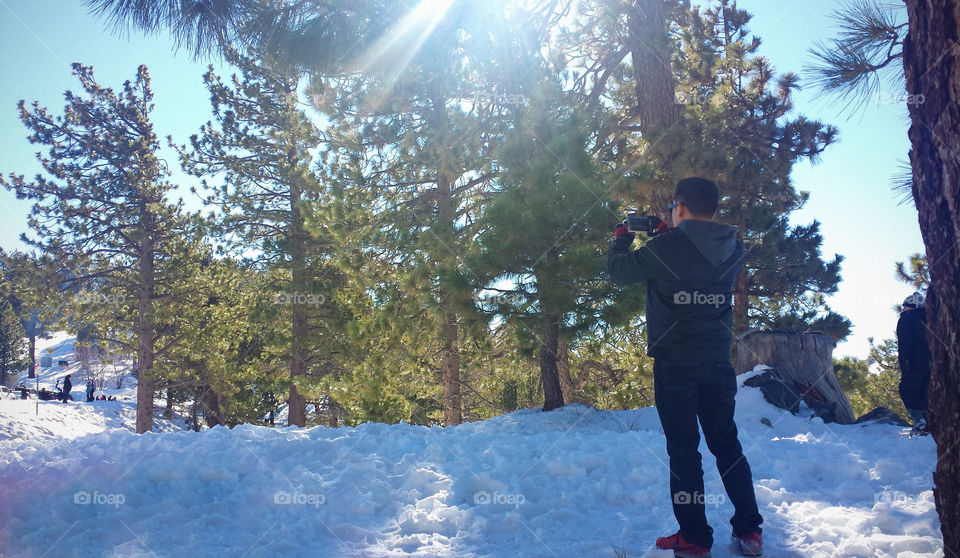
<point>75,481</point>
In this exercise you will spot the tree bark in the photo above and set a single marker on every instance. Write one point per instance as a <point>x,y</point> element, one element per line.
<point>552,393</point>
<point>449,329</point>
<point>168,411</point>
<point>145,330</point>
<point>803,360</point>
<point>931,62</point>
<point>211,407</point>
<point>563,368</point>
<point>741,302</point>
<point>650,51</point>
<point>296,402</point>
<point>33,357</point>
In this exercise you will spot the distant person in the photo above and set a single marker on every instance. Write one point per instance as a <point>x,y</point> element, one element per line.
<point>67,387</point>
<point>914,357</point>
<point>689,271</point>
<point>24,393</point>
<point>90,389</point>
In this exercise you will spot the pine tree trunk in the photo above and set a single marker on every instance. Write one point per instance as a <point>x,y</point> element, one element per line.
<point>449,330</point>
<point>211,407</point>
<point>650,51</point>
<point>296,403</point>
<point>804,361</point>
<point>563,368</point>
<point>33,357</point>
<point>931,61</point>
<point>450,366</point>
<point>145,331</point>
<point>552,393</point>
<point>168,411</point>
<point>741,301</point>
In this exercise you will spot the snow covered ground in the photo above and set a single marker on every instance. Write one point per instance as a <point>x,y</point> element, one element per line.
<point>60,347</point>
<point>573,482</point>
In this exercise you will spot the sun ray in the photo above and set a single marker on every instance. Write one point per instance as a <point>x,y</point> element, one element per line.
<point>392,53</point>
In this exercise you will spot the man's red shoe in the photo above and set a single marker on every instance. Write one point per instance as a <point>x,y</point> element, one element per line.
<point>749,545</point>
<point>681,547</point>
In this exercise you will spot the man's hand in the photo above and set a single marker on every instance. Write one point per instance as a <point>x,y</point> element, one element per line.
<point>660,227</point>
<point>623,232</point>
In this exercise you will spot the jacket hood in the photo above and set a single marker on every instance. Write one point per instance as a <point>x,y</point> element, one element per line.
<point>716,241</point>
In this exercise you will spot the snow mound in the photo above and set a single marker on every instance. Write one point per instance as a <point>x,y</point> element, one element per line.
<point>571,482</point>
<point>46,421</point>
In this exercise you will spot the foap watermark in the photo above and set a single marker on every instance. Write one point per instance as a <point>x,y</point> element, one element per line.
<point>308,299</point>
<point>284,498</point>
<point>499,298</point>
<point>84,498</point>
<point>484,498</point>
<point>100,299</point>
<point>690,98</point>
<point>899,98</point>
<point>503,99</point>
<point>696,297</point>
<point>890,497</point>
<point>683,497</point>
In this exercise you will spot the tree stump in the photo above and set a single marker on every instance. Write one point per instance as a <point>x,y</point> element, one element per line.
<point>803,361</point>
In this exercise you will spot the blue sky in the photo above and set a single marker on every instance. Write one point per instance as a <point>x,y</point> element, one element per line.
<point>849,189</point>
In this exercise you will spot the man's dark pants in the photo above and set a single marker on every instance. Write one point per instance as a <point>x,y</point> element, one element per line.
<point>683,393</point>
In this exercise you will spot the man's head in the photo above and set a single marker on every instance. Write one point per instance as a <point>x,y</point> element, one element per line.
<point>694,198</point>
<point>914,301</point>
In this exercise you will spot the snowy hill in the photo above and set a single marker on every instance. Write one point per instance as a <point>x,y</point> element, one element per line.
<point>113,378</point>
<point>573,482</point>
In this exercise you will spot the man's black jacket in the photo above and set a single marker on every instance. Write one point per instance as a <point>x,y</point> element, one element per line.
<point>689,272</point>
<point>912,348</point>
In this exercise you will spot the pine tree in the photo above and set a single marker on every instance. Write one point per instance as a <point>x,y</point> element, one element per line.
<point>103,212</point>
<point>868,390</point>
<point>230,365</point>
<point>914,272</point>
<point>29,283</point>
<point>12,349</point>
<point>262,149</point>
<point>741,133</point>
<point>411,140</point>
<point>730,122</point>
<point>543,233</point>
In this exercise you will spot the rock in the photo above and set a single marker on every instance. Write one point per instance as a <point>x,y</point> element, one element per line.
<point>883,415</point>
<point>778,391</point>
<point>775,391</point>
<point>827,410</point>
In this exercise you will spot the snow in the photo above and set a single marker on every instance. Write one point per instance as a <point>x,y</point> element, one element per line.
<point>75,481</point>
<point>60,346</point>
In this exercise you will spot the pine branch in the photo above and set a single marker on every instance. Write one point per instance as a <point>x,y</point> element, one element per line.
<point>870,40</point>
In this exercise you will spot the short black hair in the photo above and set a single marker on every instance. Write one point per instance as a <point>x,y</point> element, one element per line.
<point>699,195</point>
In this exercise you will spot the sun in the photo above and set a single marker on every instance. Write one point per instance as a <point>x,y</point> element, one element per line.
<point>401,43</point>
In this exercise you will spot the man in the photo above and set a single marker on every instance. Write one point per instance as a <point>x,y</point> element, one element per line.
<point>67,387</point>
<point>689,271</point>
<point>914,356</point>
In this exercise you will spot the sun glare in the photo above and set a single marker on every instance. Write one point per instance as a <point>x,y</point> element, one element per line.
<point>402,42</point>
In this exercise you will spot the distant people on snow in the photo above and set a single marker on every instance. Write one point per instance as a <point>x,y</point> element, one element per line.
<point>67,387</point>
<point>90,389</point>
